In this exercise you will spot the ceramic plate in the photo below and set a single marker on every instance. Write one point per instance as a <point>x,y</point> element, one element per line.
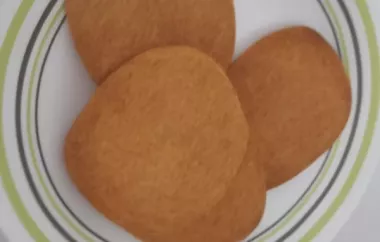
<point>43,87</point>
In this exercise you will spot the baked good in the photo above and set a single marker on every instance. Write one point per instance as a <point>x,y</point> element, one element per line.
<point>109,33</point>
<point>160,144</point>
<point>296,95</point>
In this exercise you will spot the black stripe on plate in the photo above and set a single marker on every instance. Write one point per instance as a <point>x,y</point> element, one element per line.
<point>332,27</point>
<point>39,140</point>
<point>18,127</point>
<point>355,123</point>
<point>329,152</point>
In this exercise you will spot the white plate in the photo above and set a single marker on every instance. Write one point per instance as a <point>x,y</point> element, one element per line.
<point>43,86</point>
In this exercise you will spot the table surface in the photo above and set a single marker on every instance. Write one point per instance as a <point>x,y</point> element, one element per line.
<point>364,222</point>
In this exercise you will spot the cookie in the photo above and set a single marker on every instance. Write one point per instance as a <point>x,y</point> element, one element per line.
<point>159,145</point>
<point>108,33</point>
<point>296,95</point>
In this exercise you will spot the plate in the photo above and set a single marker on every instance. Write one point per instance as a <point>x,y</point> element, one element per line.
<point>43,87</point>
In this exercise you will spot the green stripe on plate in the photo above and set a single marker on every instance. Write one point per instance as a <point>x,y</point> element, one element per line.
<point>369,131</point>
<point>8,182</point>
<point>44,186</point>
<point>329,163</point>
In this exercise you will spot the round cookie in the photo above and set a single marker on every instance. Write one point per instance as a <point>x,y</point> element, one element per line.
<point>296,95</point>
<point>159,145</point>
<point>108,33</point>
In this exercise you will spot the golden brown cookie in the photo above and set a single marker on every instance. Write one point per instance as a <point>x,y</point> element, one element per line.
<point>108,33</point>
<point>159,146</point>
<point>296,95</point>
